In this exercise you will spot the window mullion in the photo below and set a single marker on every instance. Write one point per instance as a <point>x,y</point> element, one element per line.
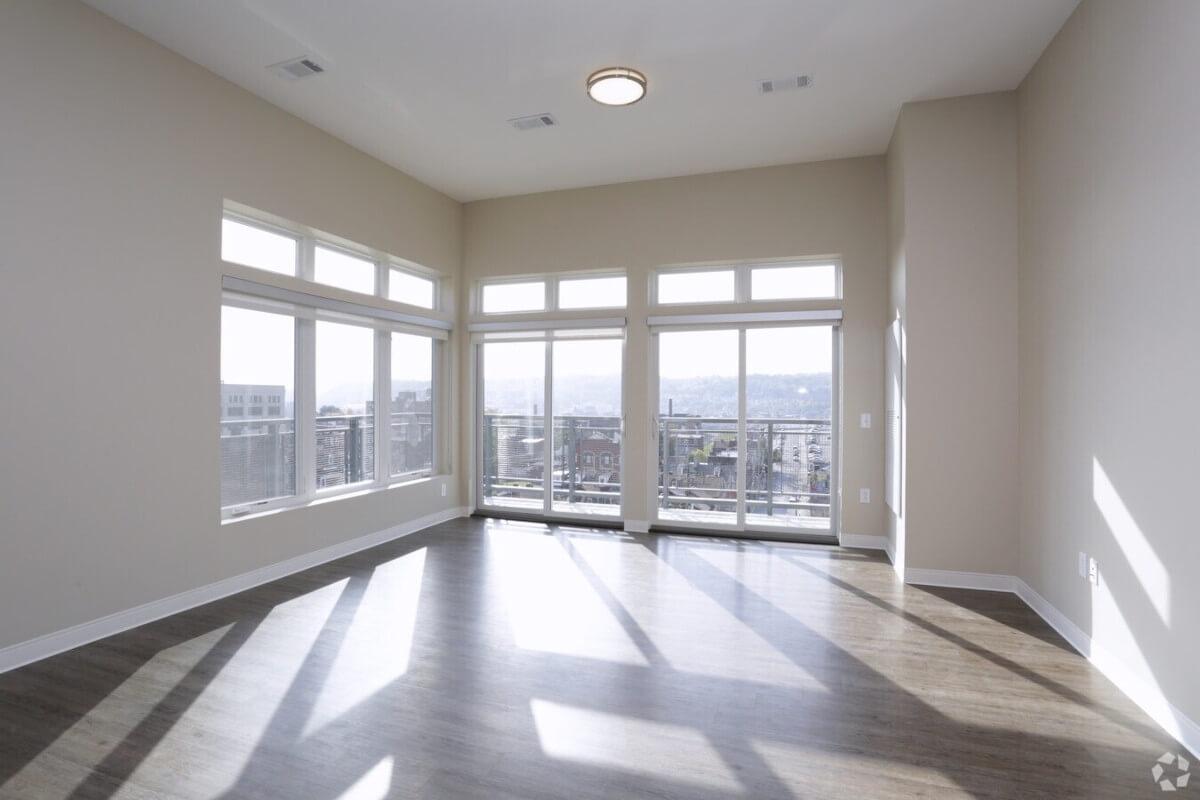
<point>383,406</point>
<point>306,408</point>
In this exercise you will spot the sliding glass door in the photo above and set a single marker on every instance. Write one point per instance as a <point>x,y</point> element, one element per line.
<point>513,425</point>
<point>745,429</point>
<point>550,423</point>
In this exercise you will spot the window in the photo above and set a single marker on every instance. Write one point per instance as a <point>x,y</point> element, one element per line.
<point>338,268</point>
<point>411,422</point>
<point>345,392</point>
<point>606,292</point>
<point>253,246</point>
<point>705,286</point>
<point>258,457</point>
<point>321,395</point>
<point>506,298</point>
<point>793,282</point>
<point>405,287</point>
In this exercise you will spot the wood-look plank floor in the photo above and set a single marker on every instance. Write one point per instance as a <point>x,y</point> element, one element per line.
<point>490,659</point>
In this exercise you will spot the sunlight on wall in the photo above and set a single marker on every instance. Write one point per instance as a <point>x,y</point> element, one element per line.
<point>378,644</point>
<point>637,746</point>
<point>1116,652</point>
<point>105,726</point>
<point>374,785</point>
<point>1145,563</point>
<point>551,606</point>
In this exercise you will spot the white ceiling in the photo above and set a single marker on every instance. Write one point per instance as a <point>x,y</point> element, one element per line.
<point>428,85</point>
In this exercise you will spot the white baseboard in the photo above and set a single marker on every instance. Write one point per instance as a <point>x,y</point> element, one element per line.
<point>890,549</point>
<point>637,525</point>
<point>1138,688</point>
<point>984,581</point>
<point>18,655</point>
<point>862,541</point>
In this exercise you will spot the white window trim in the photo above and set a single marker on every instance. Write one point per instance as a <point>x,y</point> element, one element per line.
<point>741,280</point>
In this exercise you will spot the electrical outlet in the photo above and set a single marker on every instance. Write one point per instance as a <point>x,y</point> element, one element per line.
<point>864,420</point>
<point>864,495</point>
<point>1083,564</point>
<point>1093,572</point>
<point>443,490</point>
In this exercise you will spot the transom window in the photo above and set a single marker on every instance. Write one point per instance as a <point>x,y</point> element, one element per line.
<point>301,253</point>
<point>741,283</point>
<point>565,292</point>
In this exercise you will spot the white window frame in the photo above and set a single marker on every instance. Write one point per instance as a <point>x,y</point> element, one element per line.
<point>549,299</point>
<point>307,301</point>
<point>741,280</point>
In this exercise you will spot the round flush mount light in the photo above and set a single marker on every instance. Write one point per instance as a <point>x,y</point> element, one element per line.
<point>616,86</point>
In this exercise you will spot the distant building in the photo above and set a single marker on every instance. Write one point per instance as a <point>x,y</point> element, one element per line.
<point>252,401</point>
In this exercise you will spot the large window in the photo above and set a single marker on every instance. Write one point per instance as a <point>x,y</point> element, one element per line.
<point>258,422</point>
<point>321,396</point>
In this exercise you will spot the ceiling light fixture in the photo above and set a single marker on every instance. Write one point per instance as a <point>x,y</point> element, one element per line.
<point>616,86</point>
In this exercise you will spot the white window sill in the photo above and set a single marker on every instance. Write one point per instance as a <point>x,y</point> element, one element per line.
<point>333,495</point>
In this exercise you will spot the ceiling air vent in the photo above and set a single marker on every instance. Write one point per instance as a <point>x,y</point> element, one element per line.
<point>297,68</point>
<point>532,122</point>
<point>785,84</point>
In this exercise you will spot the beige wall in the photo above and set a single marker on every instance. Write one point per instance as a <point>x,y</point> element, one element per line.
<point>954,276</point>
<point>117,155</point>
<point>1109,334</point>
<point>833,207</point>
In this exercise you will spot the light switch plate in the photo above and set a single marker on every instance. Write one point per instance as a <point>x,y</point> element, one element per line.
<point>1093,572</point>
<point>864,421</point>
<point>864,495</point>
<point>443,490</point>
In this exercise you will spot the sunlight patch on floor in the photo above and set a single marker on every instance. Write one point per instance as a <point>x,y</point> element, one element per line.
<point>636,746</point>
<point>693,632</point>
<point>551,606</point>
<point>374,785</point>
<point>241,700</point>
<point>378,644</point>
<point>105,726</point>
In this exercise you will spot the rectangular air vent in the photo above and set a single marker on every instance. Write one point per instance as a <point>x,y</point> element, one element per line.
<point>531,122</point>
<point>785,84</point>
<point>297,68</point>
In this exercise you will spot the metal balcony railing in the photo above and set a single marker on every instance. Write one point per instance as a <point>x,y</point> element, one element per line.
<point>258,455</point>
<point>788,463</point>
